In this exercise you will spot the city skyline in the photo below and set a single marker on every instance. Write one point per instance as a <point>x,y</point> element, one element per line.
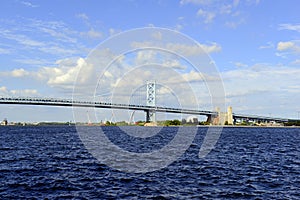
<point>254,44</point>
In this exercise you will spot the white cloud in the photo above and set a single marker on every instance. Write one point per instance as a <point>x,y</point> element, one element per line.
<point>145,57</point>
<point>163,91</point>
<point>28,4</point>
<point>25,92</point>
<point>37,61</point>
<point>62,76</point>
<point>19,73</point>
<point>296,62</point>
<point>173,63</point>
<point>197,2</point>
<point>37,37</point>
<point>281,46</point>
<point>239,64</point>
<point>210,10</point>
<point>262,88</point>
<point>21,39</point>
<point>235,24</point>
<point>185,49</point>
<point>157,35</point>
<point>58,34</point>
<point>92,34</point>
<point>21,92</point>
<point>236,3</point>
<point>83,16</point>
<point>269,45</point>
<point>3,89</point>
<point>212,48</point>
<point>193,76</point>
<point>226,9</point>
<point>291,27</point>
<point>108,74</point>
<point>4,51</point>
<point>207,15</point>
<point>113,31</point>
<point>194,50</point>
<point>291,46</point>
<point>58,50</point>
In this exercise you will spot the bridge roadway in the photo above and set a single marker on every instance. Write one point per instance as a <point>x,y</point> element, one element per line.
<point>259,118</point>
<point>93,104</point>
<point>147,109</point>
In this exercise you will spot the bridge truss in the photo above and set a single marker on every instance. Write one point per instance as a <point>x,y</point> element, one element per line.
<point>146,108</point>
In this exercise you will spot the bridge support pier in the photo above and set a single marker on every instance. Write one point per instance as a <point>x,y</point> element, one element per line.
<point>150,116</point>
<point>211,119</point>
<point>147,116</point>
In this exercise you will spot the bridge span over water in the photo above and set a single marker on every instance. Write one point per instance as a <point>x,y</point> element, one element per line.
<point>147,109</point>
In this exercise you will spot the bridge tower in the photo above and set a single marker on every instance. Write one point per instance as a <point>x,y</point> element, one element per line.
<point>230,116</point>
<point>151,101</point>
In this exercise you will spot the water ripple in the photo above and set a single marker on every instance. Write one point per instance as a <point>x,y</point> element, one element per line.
<point>247,163</point>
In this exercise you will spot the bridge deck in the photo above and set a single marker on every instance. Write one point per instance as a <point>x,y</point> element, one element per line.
<point>94,104</point>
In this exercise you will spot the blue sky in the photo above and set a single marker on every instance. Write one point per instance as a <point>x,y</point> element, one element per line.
<point>255,45</point>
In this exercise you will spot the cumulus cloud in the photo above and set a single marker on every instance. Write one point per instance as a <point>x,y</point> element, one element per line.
<point>3,89</point>
<point>291,46</point>
<point>119,77</point>
<point>281,46</point>
<point>193,76</point>
<point>174,64</point>
<point>61,76</point>
<point>19,73</point>
<point>64,75</point>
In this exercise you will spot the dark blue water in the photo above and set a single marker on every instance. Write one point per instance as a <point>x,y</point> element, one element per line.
<point>247,163</point>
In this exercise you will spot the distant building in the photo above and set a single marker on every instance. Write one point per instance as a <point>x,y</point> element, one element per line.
<point>223,117</point>
<point>195,120</point>
<point>4,122</point>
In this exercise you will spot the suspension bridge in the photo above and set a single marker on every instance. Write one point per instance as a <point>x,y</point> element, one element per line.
<point>150,108</point>
<point>94,104</point>
<point>146,108</point>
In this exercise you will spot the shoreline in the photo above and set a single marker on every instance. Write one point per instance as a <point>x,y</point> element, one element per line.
<point>198,126</point>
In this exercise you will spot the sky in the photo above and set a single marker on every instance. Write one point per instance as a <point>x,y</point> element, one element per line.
<point>254,44</point>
